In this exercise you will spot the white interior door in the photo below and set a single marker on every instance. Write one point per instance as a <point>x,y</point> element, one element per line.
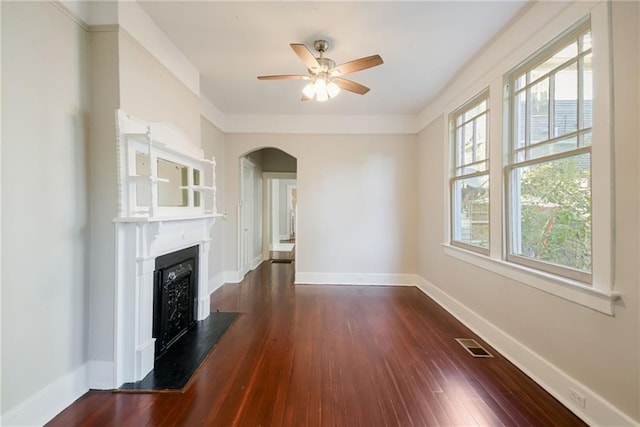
<point>246,216</point>
<point>292,202</point>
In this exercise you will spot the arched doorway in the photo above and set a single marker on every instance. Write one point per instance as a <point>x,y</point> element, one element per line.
<point>267,209</point>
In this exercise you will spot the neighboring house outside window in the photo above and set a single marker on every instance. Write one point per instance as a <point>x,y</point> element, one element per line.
<point>548,169</point>
<point>469,181</point>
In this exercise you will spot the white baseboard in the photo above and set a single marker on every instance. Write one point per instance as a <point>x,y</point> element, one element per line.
<point>597,412</point>
<point>43,406</point>
<point>216,282</point>
<point>286,247</point>
<point>101,375</point>
<point>256,262</point>
<point>232,276</point>
<point>354,279</point>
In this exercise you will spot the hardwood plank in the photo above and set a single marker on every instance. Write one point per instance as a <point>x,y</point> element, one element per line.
<point>313,355</point>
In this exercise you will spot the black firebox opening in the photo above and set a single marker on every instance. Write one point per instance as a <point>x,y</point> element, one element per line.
<point>174,297</point>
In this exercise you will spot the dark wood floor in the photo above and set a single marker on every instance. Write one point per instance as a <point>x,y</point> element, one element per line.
<point>333,356</point>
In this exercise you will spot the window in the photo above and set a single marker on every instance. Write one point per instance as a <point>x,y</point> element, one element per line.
<point>548,172</point>
<point>469,183</point>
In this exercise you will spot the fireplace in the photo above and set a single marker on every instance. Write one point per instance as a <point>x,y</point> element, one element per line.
<point>175,297</point>
<point>166,203</point>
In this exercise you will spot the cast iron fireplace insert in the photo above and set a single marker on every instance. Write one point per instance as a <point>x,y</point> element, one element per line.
<point>174,297</point>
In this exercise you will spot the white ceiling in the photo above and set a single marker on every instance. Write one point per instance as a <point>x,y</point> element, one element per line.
<point>423,45</point>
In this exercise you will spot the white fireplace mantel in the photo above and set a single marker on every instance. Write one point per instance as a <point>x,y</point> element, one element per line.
<point>145,231</point>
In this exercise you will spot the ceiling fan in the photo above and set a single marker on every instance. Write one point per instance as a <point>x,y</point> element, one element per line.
<point>325,76</point>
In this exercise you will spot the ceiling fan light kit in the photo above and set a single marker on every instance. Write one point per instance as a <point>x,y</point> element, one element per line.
<point>324,75</point>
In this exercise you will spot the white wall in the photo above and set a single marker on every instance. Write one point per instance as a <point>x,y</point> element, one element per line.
<point>356,203</point>
<point>598,351</point>
<point>45,102</point>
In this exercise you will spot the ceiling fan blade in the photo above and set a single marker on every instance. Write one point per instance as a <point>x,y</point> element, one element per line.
<point>357,65</point>
<point>305,98</point>
<point>284,77</point>
<point>305,55</point>
<point>351,86</point>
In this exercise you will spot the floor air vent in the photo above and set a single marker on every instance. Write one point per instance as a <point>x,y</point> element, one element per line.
<point>472,346</point>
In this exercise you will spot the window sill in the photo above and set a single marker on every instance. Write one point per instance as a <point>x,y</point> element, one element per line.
<point>568,289</point>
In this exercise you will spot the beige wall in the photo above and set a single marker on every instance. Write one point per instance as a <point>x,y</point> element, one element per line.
<point>213,146</point>
<point>101,160</point>
<point>45,103</point>
<point>356,200</point>
<point>149,91</point>
<point>600,351</point>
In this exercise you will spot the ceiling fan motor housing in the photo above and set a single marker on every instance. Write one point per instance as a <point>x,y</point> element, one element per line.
<point>321,46</point>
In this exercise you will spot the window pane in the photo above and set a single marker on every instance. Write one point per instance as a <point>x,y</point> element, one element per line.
<point>539,114</point>
<point>586,41</point>
<point>468,143</point>
<point>520,81</point>
<point>471,211</point>
<point>481,137</point>
<point>458,147</point>
<point>551,212</point>
<point>555,61</point>
<point>555,147</point>
<point>586,139</point>
<point>475,111</point>
<point>565,97</point>
<point>587,92</point>
<point>520,114</point>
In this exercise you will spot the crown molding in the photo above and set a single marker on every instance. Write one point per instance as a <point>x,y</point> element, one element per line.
<point>321,124</point>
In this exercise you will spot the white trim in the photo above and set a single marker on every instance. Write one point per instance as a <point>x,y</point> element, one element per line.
<point>255,263</point>
<point>598,411</point>
<point>602,169</point>
<point>285,247</point>
<point>232,276</point>
<point>141,27</point>
<point>568,289</point>
<point>358,279</point>
<point>43,406</point>
<point>325,124</point>
<point>216,282</point>
<point>101,375</point>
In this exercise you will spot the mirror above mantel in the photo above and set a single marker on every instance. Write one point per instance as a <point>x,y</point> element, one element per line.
<point>162,175</point>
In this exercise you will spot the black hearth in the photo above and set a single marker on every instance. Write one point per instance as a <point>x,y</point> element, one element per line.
<point>174,297</point>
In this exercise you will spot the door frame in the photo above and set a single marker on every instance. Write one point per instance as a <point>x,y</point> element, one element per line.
<point>245,209</point>
<point>267,179</point>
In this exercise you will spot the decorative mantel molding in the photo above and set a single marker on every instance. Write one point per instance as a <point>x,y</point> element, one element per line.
<point>145,230</point>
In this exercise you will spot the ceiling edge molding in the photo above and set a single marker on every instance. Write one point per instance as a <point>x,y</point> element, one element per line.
<point>321,124</point>
<point>212,113</point>
<point>141,27</point>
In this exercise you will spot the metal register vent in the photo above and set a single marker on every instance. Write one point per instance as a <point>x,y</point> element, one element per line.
<point>472,346</point>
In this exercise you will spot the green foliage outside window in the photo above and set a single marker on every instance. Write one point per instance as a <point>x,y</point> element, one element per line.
<point>556,212</point>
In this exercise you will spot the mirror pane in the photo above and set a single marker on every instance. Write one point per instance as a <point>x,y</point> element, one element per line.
<point>170,193</point>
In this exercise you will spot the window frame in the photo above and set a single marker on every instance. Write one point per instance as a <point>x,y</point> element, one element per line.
<point>483,96</point>
<point>564,40</point>
<point>601,295</point>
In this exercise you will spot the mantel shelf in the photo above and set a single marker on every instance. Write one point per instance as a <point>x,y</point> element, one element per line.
<point>197,188</point>
<point>168,218</point>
